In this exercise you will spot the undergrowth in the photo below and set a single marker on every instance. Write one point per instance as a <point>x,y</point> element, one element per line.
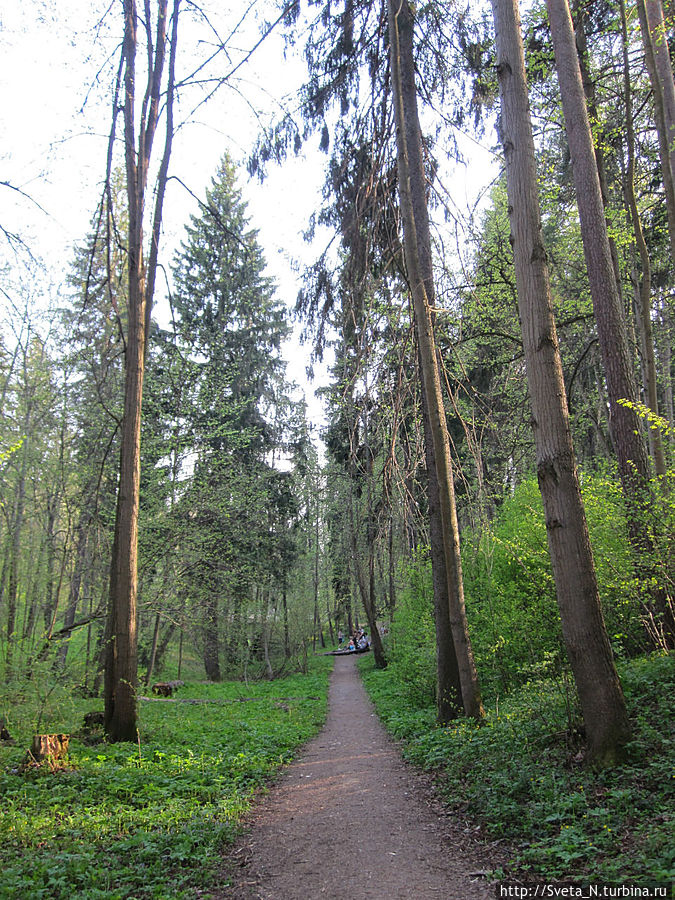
<point>145,821</point>
<point>520,775</point>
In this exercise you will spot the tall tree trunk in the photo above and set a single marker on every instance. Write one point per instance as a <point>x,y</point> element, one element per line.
<point>211,638</point>
<point>644,318</point>
<point>153,651</point>
<point>625,424</point>
<point>14,554</point>
<point>365,590</point>
<point>586,640</point>
<point>121,670</point>
<point>657,59</point>
<point>391,567</point>
<point>48,606</point>
<point>287,636</point>
<point>417,248</point>
<point>591,99</point>
<point>81,544</point>
<point>666,345</point>
<point>448,680</point>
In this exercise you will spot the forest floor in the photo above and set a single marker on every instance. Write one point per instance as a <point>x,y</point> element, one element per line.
<point>350,818</point>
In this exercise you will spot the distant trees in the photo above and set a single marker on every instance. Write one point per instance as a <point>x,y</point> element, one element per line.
<point>234,422</point>
<point>233,545</point>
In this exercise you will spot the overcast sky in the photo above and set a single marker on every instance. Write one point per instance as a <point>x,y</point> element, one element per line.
<point>57,61</point>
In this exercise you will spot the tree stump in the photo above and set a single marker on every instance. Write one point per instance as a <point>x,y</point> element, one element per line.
<point>5,736</point>
<point>49,748</point>
<point>162,689</point>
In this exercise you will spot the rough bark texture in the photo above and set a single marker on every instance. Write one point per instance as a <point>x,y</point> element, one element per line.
<point>643,296</point>
<point>448,682</point>
<point>121,634</point>
<point>625,424</point>
<point>417,248</point>
<point>664,71</point>
<point>660,115</point>
<point>583,628</point>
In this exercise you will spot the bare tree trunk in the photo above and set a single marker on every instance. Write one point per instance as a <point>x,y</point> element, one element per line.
<point>666,355</point>
<point>448,680</point>
<point>287,636</point>
<point>153,651</point>
<point>391,594</point>
<point>586,640</point>
<point>211,638</point>
<point>591,99</point>
<point>644,319</point>
<point>14,553</point>
<point>657,58</point>
<point>417,246</point>
<point>625,424</point>
<point>75,585</point>
<point>121,670</point>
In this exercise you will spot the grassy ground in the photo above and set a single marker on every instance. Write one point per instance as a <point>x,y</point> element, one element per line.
<point>148,820</point>
<point>520,776</point>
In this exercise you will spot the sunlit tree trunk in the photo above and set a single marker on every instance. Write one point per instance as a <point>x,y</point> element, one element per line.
<point>586,640</point>
<point>417,247</point>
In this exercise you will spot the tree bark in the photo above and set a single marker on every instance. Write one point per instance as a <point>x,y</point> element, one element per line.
<point>644,319</point>
<point>211,639</point>
<point>659,88</point>
<point>448,680</point>
<point>625,424</point>
<point>417,249</point>
<point>121,669</point>
<point>366,591</point>
<point>586,640</point>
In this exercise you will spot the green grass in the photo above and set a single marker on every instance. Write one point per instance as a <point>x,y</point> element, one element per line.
<point>520,776</point>
<point>124,821</point>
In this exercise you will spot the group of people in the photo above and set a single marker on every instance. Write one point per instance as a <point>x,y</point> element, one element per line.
<point>357,641</point>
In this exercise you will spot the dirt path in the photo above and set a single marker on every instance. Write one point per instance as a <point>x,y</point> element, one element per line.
<point>349,819</point>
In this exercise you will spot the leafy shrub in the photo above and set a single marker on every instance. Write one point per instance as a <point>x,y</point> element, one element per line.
<point>510,592</point>
<point>412,635</point>
<point>148,821</point>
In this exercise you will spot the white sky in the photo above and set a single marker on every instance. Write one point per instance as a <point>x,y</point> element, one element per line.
<point>54,119</point>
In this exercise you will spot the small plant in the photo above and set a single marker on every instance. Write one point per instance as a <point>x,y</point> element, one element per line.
<point>148,820</point>
<point>520,775</point>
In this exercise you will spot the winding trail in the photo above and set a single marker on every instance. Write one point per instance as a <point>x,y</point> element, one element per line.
<point>350,819</point>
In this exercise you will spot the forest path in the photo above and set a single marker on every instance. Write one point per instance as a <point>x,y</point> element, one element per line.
<point>350,819</point>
